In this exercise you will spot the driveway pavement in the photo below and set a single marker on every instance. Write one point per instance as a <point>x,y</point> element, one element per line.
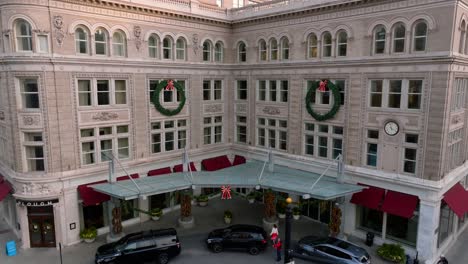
<point>192,240</point>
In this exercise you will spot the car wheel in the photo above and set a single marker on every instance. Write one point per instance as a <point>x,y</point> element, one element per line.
<point>163,258</point>
<point>217,248</point>
<point>254,251</point>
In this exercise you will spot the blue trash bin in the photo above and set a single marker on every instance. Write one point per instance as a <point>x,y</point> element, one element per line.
<point>11,248</point>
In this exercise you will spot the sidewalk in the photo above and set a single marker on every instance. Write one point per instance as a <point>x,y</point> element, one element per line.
<point>193,249</point>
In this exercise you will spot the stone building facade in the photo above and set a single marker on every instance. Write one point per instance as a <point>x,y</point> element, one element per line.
<point>77,78</point>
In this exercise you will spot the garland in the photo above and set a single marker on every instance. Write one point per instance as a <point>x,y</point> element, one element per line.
<point>336,100</point>
<point>155,99</point>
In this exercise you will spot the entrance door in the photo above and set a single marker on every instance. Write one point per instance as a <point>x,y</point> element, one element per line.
<point>41,230</point>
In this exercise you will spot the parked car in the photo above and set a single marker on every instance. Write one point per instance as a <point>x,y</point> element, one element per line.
<point>333,249</point>
<point>244,237</point>
<point>147,246</point>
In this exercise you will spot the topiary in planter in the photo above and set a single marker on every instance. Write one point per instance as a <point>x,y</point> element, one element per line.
<point>392,252</point>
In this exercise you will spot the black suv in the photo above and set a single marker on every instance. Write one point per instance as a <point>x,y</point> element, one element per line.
<point>140,247</point>
<point>246,237</point>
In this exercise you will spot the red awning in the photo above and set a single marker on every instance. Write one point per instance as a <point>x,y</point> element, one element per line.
<point>161,171</point>
<point>216,163</point>
<point>5,189</point>
<point>178,168</point>
<point>90,196</point>
<point>457,199</point>
<point>370,197</point>
<point>238,160</point>
<point>123,178</point>
<point>400,204</point>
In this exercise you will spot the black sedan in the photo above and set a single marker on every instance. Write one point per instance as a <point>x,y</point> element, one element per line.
<point>241,237</point>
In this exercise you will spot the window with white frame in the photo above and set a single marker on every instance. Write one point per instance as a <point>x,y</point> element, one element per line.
<point>153,46</point>
<point>168,135</point>
<point>272,133</point>
<point>380,36</point>
<point>181,46</point>
<point>119,45</point>
<point>167,48</point>
<point>242,52</point>
<point>23,34</point>
<point>218,51</point>
<point>219,3</point>
<point>212,90</point>
<point>322,140</point>
<point>241,87</point>
<point>42,43</point>
<point>273,49</point>
<point>455,149</point>
<point>410,148</point>
<point>81,40</point>
<point>34,151</point>
<point>284,43</point>
<point>212,130</point>
<point>312,46</point>
<point>273,90</point>
<point>325,98</point>
<point>400,94</point>
<point>420,36</point>
<point>100,144</point>
<point>399,35</point>
<point>98,92</point>
<point>262,50</point>
<point>342,44</point>
<point>207,51</point>
<point>238,3</point>
<point>458,94</point>
<point>326,44</point>
<point>241,129</point>
<point>29,90</point>
<point>372,143</point>
<point>168,96</point>
<point>100,41</point>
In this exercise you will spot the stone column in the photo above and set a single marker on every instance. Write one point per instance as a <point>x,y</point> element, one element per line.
<point>429,213</point>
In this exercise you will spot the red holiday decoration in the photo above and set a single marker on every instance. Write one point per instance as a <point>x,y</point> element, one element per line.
<point>225,192</point>
<point>170,85</point>
<point>323,85</point>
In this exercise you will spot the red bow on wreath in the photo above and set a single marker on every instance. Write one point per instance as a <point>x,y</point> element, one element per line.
<point>225,192</point>
<point>170,85</point>
<point>323,85</point>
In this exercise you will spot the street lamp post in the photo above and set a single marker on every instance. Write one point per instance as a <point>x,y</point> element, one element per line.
<point>287,239</point>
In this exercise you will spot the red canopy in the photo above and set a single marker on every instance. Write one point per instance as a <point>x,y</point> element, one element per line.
<point>238,160</point>
<point>370,197</point>
<point>216,163</point>
<point>178,168</point>
<point>5,188</point>
<point>123,178</point>
<point>160,171</point>
<point>90,196</point>
<point>457,199</point>
<point>401,204</point>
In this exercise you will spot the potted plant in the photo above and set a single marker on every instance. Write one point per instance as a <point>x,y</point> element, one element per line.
<point>202,200</point>
<point>156,213</point>
<point>281,208</point>
<point>227,216</point>
<point>252,196</point>
<point>296,211</point>
<point>88,234</point>
<point>392,252</point>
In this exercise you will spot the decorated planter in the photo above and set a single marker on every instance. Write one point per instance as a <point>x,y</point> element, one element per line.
<point>227,220</point>
<point>282,216</point>
<point>88,234</point>
<point>156,213</point>
<point>296,217</point>
<point>89,240</point>
<point>155,218</point>
<point>227,217</point>
<point>202,200</point>
<point>251,201</point>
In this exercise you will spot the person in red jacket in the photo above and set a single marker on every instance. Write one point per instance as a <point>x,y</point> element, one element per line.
<point>277,245</point>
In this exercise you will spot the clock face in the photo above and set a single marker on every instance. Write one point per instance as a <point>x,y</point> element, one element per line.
<point>391,128</point>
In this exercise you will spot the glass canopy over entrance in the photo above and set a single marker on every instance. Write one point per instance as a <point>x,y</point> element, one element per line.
<point>252,174</point>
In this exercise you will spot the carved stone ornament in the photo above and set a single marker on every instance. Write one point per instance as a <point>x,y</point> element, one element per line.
<point>270,110</point>
<point>58,22</point>
<point>31,120</point>
<point>105,116</point>
<point>137,34</point>
<point>195,43</point>
<point>213,108</point>
<point>456,119</point>
<point>32,188</point>
<point>2,115</point>
<point>59,34</point>
<point>242,108</point>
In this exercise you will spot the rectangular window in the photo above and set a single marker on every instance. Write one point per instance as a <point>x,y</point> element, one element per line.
<point>103,92</point>
<point>34,150</point>
<point>262,90</point>
<point>372,154</point>
<point>284,91</point>
<point>273,91</point>
<point>29,93</point>
<point>212,130</point>
<point>84,93</point>
<point>394,94</point>
<point>323,147</point>
<point>414,94</point>
<point>110,141</point>
<point>88,152</point>
<point>272,133</point>
<point>241,131</point>
<point>309,144</point>
<point>458,94</point>
<point>43,43</point>
<point>410,160</point>
<point>376,90</point>
<point>218,89</point>
<point>120,92</point>
<point>341,84</point>
<point>172,132</point>
<point>97,92</point>
<point>337,147</point>
<point>241,90</point>
<point>212,90</point>
<point>329,139</point>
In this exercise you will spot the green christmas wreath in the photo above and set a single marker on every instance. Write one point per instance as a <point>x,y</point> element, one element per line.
<point>336,101</point>
<point>155,99</point>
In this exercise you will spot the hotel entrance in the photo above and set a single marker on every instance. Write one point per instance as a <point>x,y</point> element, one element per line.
<point>41,226</point>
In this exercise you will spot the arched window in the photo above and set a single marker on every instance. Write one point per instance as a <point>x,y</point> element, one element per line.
<point>206,51</point>
<point>326,44</point>
<point>100,41</point>
<point>420,36</point>
<point>153,46</point>
<point>81,41</point>
<point>284,48</point>
<point>461,48</point>
<point>312,50</point>
<point>273,49</point>
<point>242,52</point>
<point>118,44</point>
<point>167,48</point>
<point>342,44</point>
<point>23,35</point>
<point>399,35</point>
<point>262,47</point>
<point>219,52</point>
<point>180,49</point>
<point>379,40</point>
